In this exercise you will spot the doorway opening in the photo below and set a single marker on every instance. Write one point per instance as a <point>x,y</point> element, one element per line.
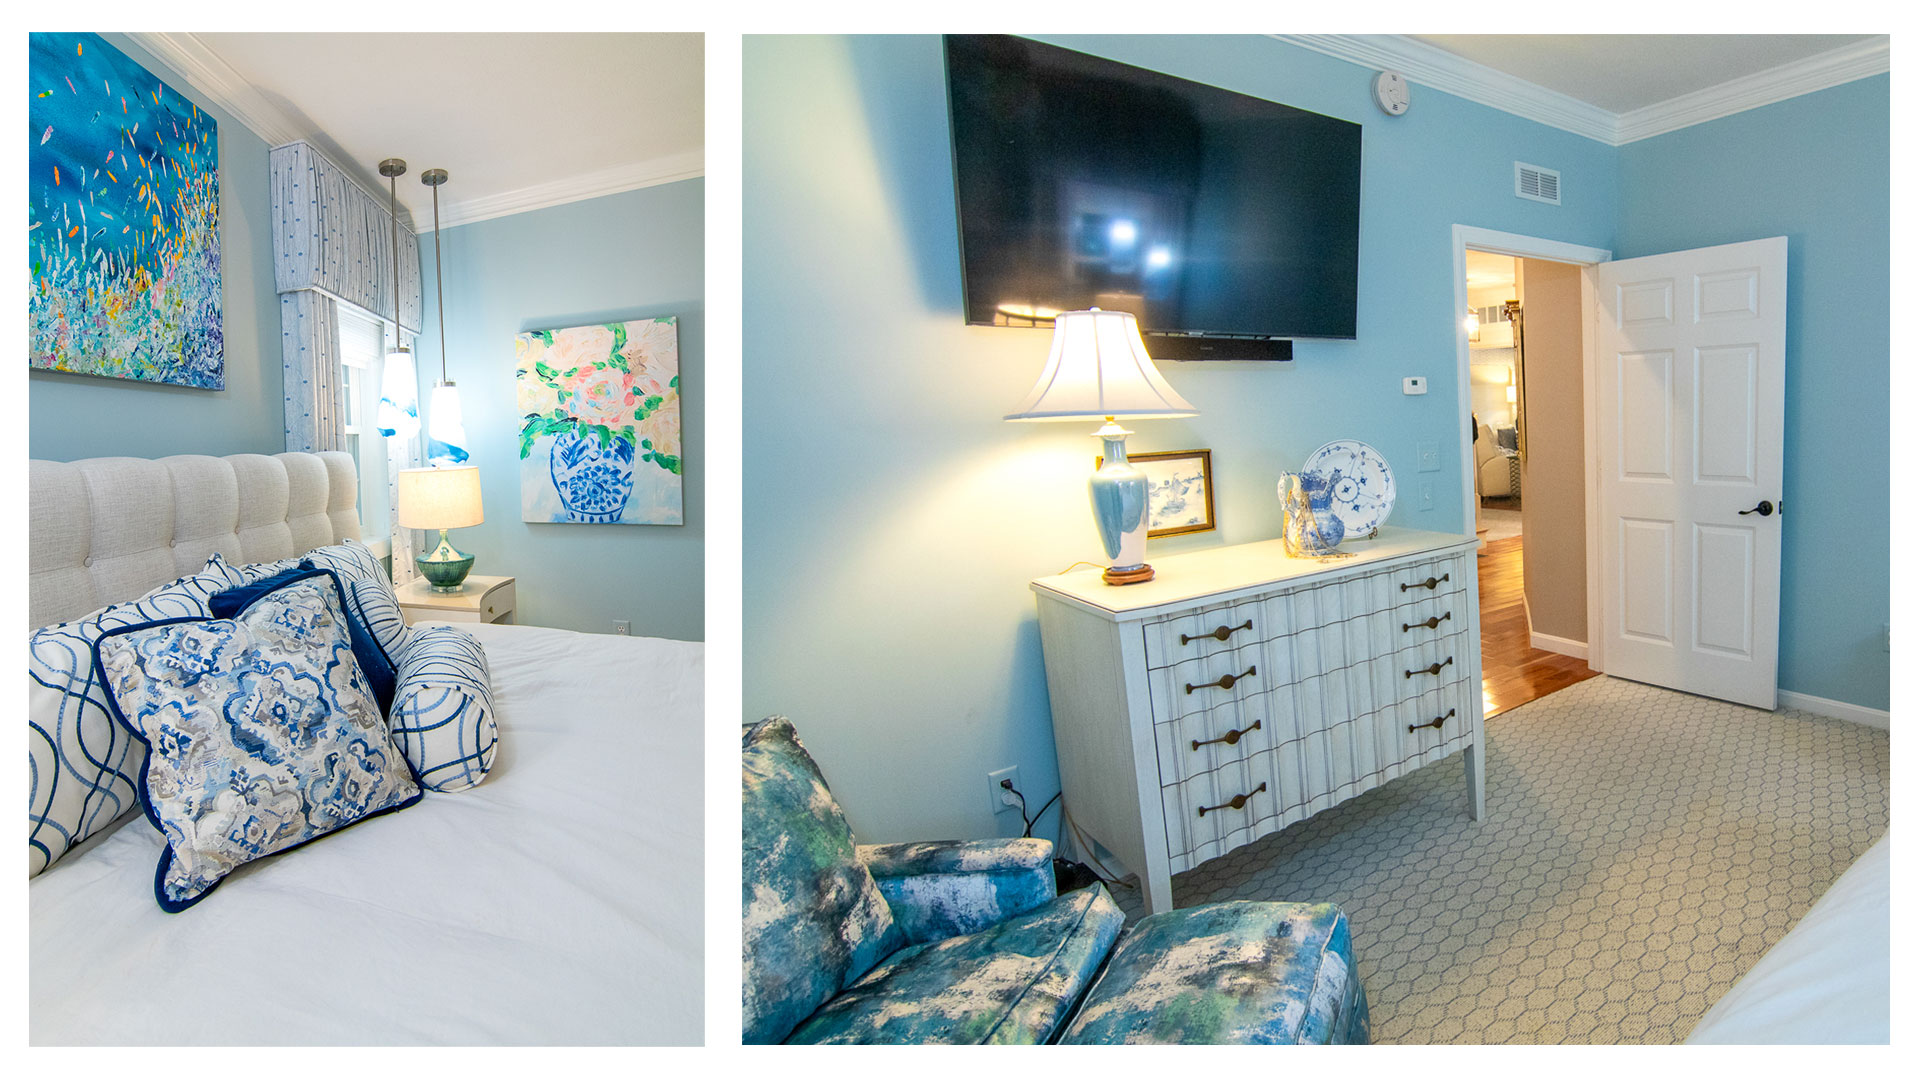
<point>1525,307</point>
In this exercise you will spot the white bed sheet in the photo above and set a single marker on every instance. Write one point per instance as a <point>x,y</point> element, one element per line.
<point>1827,980</point>
<point>560,902</point>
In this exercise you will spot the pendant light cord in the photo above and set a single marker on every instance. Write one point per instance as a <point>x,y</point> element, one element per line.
<point>439,284</point>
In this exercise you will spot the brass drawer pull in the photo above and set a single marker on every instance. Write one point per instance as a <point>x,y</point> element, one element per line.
<point>1429,623</point>
<point>1224,682</point>
<point>1433,723</point>
<point>1238,802</point>
<point>1430,670</point>
<point>1230,738</point>
<point>1430,583</point>
<point>1219,634</point>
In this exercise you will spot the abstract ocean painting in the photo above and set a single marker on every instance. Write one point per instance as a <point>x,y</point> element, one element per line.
<point>599,417</point>
<point>123,221</point>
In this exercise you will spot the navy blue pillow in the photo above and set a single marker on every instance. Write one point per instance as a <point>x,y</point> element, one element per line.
<point>373,660</point>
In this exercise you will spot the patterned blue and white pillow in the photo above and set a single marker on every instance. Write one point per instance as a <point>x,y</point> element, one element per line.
<point>355,562</point>
<point>82,768</point>
<point>262,733</point>
<point>443,708</point>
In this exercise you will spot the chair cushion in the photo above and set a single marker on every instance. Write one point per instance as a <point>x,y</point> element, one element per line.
<point>1012,983</point>
<point>812,918</point>
<point>1238,972</point>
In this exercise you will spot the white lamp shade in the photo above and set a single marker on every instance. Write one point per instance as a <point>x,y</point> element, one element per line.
<point>1099,367</point>
<point>445,425</point>
<point>399,413</point>
<point>446,497</point>
<point>1513,393</point>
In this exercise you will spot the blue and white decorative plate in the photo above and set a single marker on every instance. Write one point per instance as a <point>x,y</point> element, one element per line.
<point>1360,481</point>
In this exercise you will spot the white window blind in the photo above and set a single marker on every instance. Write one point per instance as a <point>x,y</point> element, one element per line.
<point>362,351</point>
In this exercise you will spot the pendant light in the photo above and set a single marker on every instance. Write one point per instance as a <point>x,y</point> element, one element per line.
<point>446,431</point>
<point>399,413</point>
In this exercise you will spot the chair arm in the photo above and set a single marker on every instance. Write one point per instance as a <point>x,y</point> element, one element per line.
<point>949,887</point>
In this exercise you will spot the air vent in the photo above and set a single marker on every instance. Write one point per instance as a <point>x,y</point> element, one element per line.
<point>1536,183</point>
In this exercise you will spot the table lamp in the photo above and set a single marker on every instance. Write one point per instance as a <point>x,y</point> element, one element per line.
<point>444,497</point>
<point>1099,367</point>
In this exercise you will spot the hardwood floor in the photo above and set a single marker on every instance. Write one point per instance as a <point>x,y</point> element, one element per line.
<point>1513,671</point>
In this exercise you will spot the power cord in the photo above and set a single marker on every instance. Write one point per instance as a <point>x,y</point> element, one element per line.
<point>1030,822</point>
<point>1086,848</point>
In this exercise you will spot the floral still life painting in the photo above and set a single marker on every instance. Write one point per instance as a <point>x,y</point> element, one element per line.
<point>123,219</point>
<point>600,423</point>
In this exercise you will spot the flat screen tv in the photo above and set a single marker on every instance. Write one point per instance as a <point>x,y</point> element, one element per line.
<point>1226,223</point>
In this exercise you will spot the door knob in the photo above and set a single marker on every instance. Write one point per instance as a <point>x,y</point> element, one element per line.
<point>1765,509</point>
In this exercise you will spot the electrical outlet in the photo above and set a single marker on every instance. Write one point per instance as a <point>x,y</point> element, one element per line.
<point>1429,457</point>
<point>622,627</point>
<point>1426,494</point>
<point>1000,798</point>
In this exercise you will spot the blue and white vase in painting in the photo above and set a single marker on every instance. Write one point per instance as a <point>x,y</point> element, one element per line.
<point>593,480</point>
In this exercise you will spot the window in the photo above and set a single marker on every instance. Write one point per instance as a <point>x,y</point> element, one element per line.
<point>362,351</point>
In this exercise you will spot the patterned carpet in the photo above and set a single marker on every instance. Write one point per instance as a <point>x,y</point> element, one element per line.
<point>1642,848</point>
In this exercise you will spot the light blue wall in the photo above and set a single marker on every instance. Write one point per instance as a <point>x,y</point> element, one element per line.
<point>1815,170</point>
<point>76,416</point>
<point>892,520</point>
<point>625,256</point>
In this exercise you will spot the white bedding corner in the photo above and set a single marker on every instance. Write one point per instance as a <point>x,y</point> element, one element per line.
<point>558,903</point>
<point>1826,982</point>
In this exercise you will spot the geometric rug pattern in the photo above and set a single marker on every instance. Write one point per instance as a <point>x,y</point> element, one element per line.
<point>1641,849</point>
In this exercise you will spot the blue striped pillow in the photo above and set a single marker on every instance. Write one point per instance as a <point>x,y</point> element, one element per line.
<point>82,767</point>
<point>442,714</point>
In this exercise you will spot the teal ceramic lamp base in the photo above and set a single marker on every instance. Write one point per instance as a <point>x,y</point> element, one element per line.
<point>445,567</point>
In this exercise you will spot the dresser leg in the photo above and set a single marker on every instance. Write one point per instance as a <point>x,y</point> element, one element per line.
<point>1476,784</point>
<point>1158,881</point>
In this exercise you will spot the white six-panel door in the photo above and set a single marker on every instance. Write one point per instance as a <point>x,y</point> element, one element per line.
<point>1690,373</point>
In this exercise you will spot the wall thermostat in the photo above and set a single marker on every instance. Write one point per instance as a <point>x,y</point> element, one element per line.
<point>1414,384</point>
<point>1390,92</point>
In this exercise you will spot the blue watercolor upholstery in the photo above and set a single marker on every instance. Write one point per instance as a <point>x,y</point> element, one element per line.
<point>945,888</point>
<point>968,943</point>
<point>1237,972</point>
<point>812,918</point>
<point>1014,982</point>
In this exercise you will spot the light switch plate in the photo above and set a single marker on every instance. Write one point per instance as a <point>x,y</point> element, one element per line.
<point>1413,384</point>
<point>1429,456</point>
<point>1426,494</point>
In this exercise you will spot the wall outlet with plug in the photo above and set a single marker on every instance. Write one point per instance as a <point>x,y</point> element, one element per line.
<point>998,796</point>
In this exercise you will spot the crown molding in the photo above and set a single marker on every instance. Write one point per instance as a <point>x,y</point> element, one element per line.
<point>202,68</point>
<point>1441,70</point>
<point>1860,60</point>
<point>664,170</point>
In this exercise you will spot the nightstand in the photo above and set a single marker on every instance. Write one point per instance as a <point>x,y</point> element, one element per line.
<point>481,599</point>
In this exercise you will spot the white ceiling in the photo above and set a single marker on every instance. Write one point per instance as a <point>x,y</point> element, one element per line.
<point>1624,72</point>
<point>517,120</point>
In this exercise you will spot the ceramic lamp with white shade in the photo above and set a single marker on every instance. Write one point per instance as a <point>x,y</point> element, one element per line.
<point>442,497</point>
<point>1099,368</point>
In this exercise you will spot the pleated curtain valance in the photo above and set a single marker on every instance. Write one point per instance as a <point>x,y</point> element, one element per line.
<point>332,244</point>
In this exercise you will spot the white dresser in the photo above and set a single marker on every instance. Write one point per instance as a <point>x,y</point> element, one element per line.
<point>1241,690</point>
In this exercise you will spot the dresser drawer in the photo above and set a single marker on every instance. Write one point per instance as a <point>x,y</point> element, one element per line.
<point>1209,631</point>
<point>1191,687</point>
<point>1424,580</point>
<point>1419,739</point>
<point>1421,667</point>
<point>1253,780</point>
<point>1253,724</point>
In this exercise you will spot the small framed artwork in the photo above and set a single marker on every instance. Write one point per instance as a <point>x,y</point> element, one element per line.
<point>1179,490</point>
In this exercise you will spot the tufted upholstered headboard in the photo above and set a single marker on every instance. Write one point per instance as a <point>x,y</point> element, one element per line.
<point>103,530</point>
